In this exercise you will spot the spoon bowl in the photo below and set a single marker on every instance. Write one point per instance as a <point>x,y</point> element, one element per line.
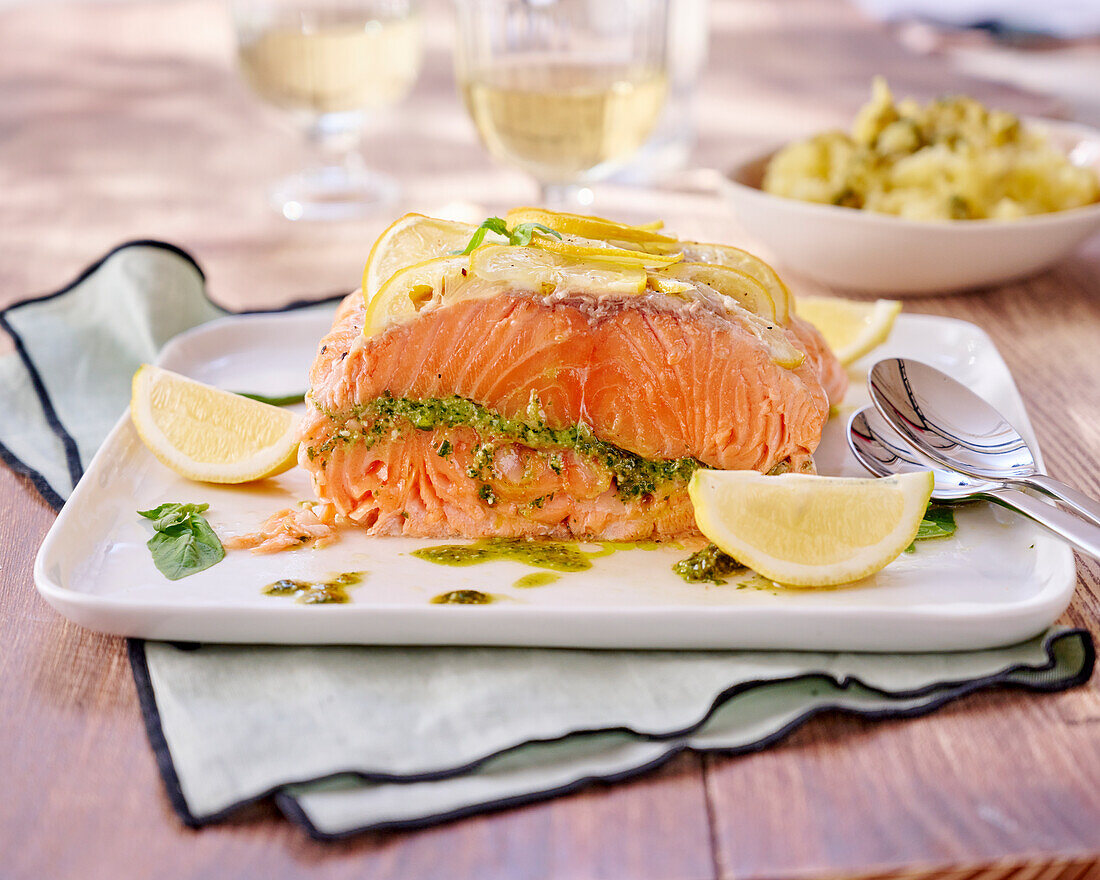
<point>883,452</point>
<point>947,421</point>
<point>951,425</point>
<point>879,449</point>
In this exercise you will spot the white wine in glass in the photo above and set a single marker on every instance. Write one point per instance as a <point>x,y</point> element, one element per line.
<point>564,121</point>
<point>329,64</point>
<point>567,90</point>
<point>337,68</point>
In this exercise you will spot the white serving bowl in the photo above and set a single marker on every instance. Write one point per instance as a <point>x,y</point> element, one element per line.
<point>865,251</point>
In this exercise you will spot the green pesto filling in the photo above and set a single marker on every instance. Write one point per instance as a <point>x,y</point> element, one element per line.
<point>634,475</point>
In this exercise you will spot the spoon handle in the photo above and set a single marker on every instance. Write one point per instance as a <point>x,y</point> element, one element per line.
<point>1077,501</point>
<point>1079,532</point>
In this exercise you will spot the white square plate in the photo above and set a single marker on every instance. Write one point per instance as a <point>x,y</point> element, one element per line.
<point>999,580</point>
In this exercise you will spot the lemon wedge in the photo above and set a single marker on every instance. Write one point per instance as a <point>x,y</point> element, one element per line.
<point>806,530</point>
<point>414,239</point>
<point>598,228</point>
<point>207,434</point>
<point>852,328</point>
<point>742,261</point>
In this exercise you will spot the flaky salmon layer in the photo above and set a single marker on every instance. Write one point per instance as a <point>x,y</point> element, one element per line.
<point>664,384</point>
<point>654,379</point>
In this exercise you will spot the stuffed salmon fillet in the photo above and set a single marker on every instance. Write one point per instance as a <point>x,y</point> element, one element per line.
<point>562,387</point>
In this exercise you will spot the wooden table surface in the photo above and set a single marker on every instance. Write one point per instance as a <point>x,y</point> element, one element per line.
<point>127,121</point>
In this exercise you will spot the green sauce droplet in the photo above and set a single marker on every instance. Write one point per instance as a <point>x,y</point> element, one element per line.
<point>758,582</point>
<point>462,597</point>
<point>331,592</point>
<point>610,547</point>
<point>285,587</point>
<point>324,596</point>
<point>347,579</point>
<point>537,579</point>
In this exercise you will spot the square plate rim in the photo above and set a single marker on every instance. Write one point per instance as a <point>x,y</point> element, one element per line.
<point>65,599</point>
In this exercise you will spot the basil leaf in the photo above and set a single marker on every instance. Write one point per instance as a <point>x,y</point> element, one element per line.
<point>490,224</point>
<point>520,236</point>
<point>172,506</point>
<point>167,515</point>
<point>183,542</point>
<point>523,233</point>
<point>938,522</point>
<point>285,400</point>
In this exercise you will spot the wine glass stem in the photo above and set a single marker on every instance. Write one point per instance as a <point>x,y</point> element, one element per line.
<point>559,196</point>
<point>334,147</point>
<point>571,197</point>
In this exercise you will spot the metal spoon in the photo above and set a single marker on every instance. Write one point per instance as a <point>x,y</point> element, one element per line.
<point>883,452</point>
<point>952,425</point>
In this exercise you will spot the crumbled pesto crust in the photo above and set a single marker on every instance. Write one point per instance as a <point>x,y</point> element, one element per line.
<point>634,475</point>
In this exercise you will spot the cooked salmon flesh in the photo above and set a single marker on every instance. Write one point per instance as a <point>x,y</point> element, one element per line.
<point>513,411</point>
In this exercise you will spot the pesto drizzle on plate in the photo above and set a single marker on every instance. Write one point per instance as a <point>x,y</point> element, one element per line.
<point>536,579</point>
<point>462,597</point>
<point>709,565</point>
<point>554,555</point>
<point>331,592</point>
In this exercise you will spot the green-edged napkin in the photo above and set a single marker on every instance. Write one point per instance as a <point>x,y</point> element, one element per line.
<point>351,738</point>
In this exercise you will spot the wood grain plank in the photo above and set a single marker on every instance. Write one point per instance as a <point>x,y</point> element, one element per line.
<point>1040,869</point>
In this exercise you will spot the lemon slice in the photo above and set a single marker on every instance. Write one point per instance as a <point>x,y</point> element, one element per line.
<point>539,271</point>
<point>774,338</point>
<point>729,282</point>
<point>580,248</point>
<point>851,328</point>
<point>207,434</point>
<point>755,306</point>
<point>414,239</point>
<point>662,283</point>
<point>588,227</point>
<point>743,261</point>
<point>489,270</point>
<point>408,290</point>
<point>810,531</point>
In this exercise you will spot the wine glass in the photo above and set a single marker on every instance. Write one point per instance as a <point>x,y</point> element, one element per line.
<point>568,90</point>
<point>329,63</point>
